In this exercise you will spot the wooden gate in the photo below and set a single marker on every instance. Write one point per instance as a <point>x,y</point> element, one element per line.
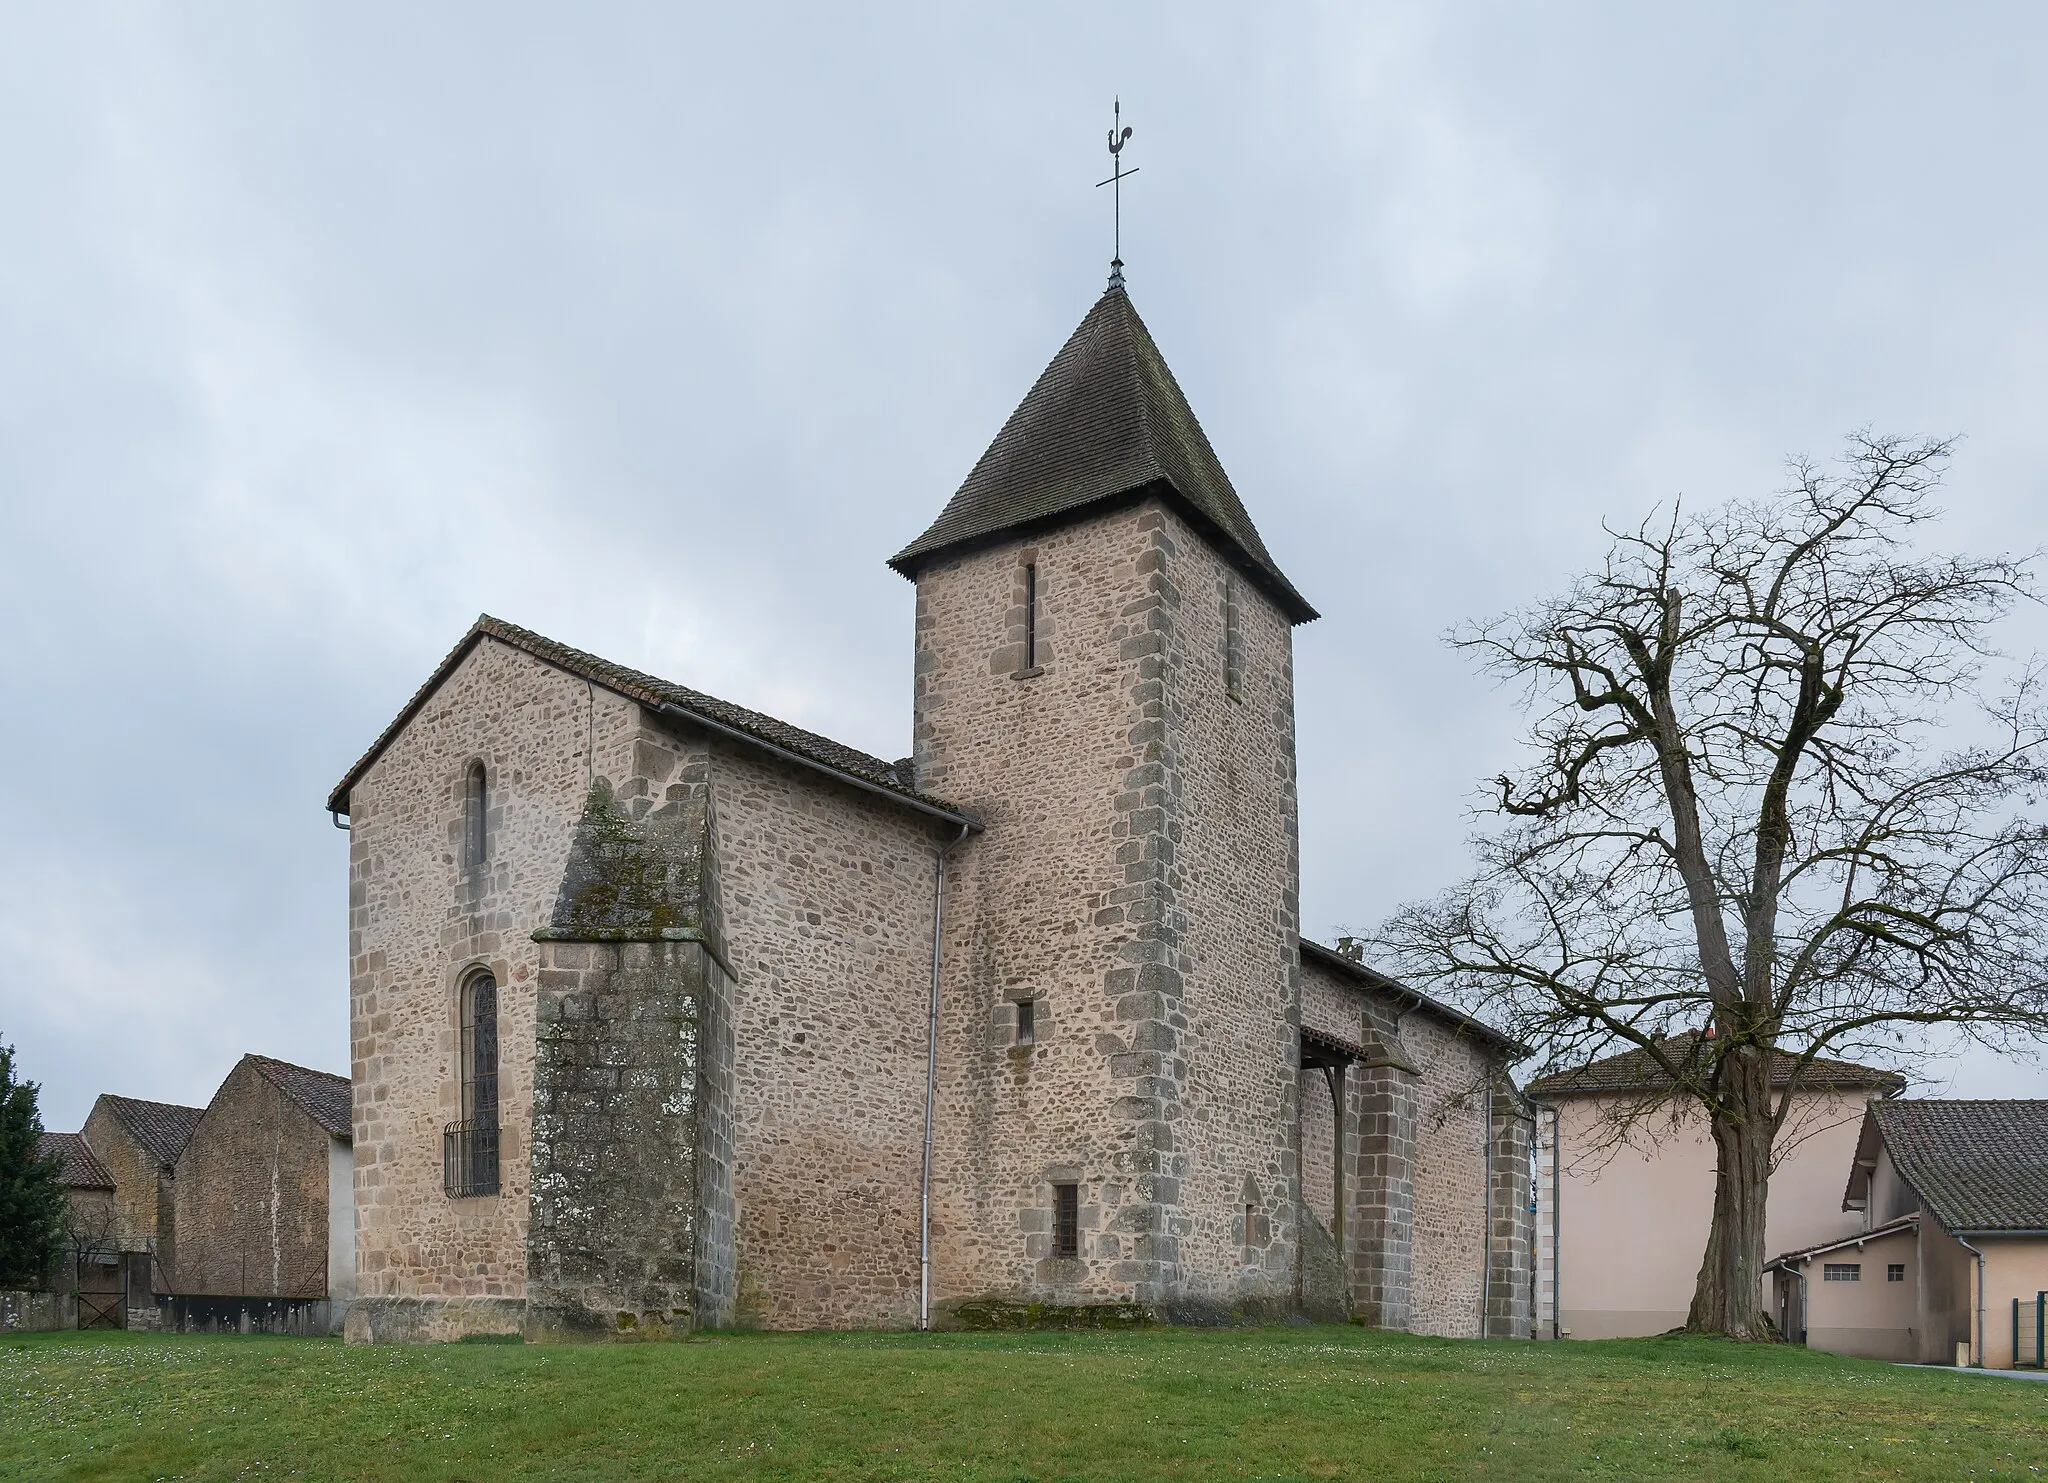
<point>102,1297</point>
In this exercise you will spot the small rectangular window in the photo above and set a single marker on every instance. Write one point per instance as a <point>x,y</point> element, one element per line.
<point>1895,1272</point>
<point>1031,615</point>
<point>1841,1271</point>
<point>1027,1021</point>
<point>1251,1225</point>
<point>1066,1220</point>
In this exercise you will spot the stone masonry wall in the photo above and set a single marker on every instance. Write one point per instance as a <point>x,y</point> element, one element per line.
<point>1135,881</point>
<point>429,1266</point>
<point>1452,1208</point>
<point>251,1211</point>
<point>612,1248</point>
<point>141,1206</point>
<point>827,895</point>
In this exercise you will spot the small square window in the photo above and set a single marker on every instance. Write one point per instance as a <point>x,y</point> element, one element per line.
<point>1027,1021</point>
<point>1066,1220</point>
<point>1841,1271</point>
<point>1895,1272</point>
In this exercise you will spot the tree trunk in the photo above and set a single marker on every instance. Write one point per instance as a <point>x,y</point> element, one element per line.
<point>1728,1298</point>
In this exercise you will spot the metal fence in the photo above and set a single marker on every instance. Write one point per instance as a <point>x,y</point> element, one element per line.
<point>2027,1332</point>
<point>469,1157</point>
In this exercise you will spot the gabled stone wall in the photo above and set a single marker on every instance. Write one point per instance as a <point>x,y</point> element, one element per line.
<point>252,1196</point>
<point>432,1267</point>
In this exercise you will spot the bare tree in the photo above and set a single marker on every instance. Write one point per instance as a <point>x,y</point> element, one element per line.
<point>1739,813</point>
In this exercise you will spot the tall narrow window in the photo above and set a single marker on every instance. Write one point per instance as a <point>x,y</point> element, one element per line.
<point>1027,1021</point>
<point>475,801</point>
<point>1066,1220</point>
<point>1251,1225</point>
<point>469,1152</point>
<point>1031,615</point>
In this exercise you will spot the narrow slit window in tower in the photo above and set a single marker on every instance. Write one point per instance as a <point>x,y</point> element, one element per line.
<point>1027,1021</point>
<point>1066,1220</point>
<point>1031,615</point>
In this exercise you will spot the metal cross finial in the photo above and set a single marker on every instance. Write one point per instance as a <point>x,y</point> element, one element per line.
<point>1117,141</point>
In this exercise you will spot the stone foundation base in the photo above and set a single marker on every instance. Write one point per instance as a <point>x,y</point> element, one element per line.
<point>432,1320</point>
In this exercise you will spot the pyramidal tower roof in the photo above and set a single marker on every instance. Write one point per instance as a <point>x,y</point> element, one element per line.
<point>1105,424</point>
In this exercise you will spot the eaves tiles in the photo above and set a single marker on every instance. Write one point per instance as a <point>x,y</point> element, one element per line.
<point>656,694</point>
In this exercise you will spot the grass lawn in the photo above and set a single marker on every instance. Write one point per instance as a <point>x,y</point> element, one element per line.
<point>1259,1403</point>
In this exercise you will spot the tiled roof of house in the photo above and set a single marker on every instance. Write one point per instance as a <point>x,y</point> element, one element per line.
<point>1372,978</point>
<point>163,1128</point>
<point>1979,1166</point>
<point>326,1097</point>
<point>1105,421</point>
<point>1634,1071</point>
<point>81,1169</point>
<point>654,693</point>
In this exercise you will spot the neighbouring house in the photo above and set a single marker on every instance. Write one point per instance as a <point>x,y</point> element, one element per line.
<point>1949,1260</point>
<point>264,1198</point>
<point>666,1013</point>
<point>1625,1185</point>
<point>138,1143</point>
<point>97,1272</point>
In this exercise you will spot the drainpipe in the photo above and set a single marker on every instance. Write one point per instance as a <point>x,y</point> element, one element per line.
<point>931,1082</point>
<point>1977,1344</point>
<point>1486,1219</point>
<point>1556,1251</point>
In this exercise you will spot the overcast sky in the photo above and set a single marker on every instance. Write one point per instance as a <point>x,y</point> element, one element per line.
<point>323,330</point>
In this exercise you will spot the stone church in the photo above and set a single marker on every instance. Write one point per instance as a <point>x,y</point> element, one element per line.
<point>667,1014</point>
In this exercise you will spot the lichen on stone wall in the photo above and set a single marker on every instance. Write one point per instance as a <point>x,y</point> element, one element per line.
<point>630,881</point>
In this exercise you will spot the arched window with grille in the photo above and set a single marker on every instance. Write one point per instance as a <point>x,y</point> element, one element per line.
<point>469,1153</point>
<point>475,806</point>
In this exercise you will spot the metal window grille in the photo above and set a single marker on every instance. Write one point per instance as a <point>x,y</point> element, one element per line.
<point>469,1158</point>
<point>1066,1220</point>
<point>1895,1272</point>
<point>469,1148</point>
<point>2030,1332</point>
<point>1027,1021</point>
<point>1841,1272</point>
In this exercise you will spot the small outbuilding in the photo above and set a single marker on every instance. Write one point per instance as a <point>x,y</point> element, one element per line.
<point>1951,1263</point>
<point>265,1209</point>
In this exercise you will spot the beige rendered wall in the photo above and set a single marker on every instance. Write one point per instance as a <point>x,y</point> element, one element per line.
<point>429,1266</point>
<point>1633,1215</point>
<point>2014,1267</point>
<point>1872,1317</point>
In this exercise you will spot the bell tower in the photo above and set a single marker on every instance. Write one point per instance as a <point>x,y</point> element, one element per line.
<point>1104,674</point>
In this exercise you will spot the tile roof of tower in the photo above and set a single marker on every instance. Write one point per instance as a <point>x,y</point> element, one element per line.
<point>808,747</point>
<point>1635,1071</point>
<point>1105,421</point>
<point>163,1128</point>
<point>1979,1165</point>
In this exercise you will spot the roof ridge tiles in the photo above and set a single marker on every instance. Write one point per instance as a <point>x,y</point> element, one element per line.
<point>809,746</point>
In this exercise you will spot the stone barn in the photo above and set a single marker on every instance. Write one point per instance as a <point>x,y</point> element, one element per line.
<point>264,1191</point>
<point>666,1013</point>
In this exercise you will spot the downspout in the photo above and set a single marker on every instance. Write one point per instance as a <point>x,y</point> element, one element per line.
<point>1486,1218</point>
<point>1556,1250</point>
<point>931,1082</point>
<point>1976,1344</point>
